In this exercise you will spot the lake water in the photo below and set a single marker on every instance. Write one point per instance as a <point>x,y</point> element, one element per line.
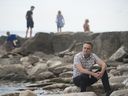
<point>13,88</point>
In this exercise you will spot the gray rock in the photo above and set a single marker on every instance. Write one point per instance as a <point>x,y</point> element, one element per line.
<point>75,94</point>
<point>31,59</point>
<point>66,74</point>
<point>119,54</point>
<point>122,68</point>
<point>27,93</point>
<point>125,60</point>
<point>123,92</point>
<point>117,79</point>
<point>72,89</point>
<point>45,75</point>
<point>15,72</point>
<point>57,85</point>
<point>54,62</point>
<point>62,69</point>
<point>40,67</point>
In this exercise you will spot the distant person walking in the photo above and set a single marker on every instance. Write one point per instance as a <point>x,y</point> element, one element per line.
<point>60,21</point>
<point>86,26</point>
<point>30,22</point>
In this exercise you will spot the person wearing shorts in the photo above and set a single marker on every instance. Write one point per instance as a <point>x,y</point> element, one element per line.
<point>30,22</point>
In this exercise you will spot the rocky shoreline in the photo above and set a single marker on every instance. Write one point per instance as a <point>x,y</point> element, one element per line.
<point>47,72</point>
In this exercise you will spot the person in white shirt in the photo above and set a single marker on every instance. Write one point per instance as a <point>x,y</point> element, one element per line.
<point>83,76</point>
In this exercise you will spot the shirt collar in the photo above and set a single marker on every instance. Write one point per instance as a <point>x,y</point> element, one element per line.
<point>83,55</point>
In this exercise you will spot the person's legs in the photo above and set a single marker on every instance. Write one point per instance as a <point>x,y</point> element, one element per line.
<point>83,81</point>
<point>57,29</point>
<point>30,32</point>
<point>26,32</point>
<point>31,26</point>
<point>28,25</point>
<point>106,84</point>
<point>76,81</point>
<point>60,29</point>
<point>92,80</point>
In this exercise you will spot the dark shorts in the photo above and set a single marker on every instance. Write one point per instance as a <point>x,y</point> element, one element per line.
<point>30,24</point>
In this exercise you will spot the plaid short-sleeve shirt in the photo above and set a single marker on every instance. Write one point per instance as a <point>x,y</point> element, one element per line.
<point>85,62</point>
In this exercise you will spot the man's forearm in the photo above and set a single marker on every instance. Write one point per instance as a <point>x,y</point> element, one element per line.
<point>86,71</point>
<point>103,67</point>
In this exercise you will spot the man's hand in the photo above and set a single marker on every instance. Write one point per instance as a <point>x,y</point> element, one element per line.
<point>97,75</point>
<point>100,74</point>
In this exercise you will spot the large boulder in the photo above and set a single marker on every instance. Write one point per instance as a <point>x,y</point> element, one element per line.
<point>123,92</point>
<point>62,41</point>
<point>2,40</point>
<point>119,54</point>
<point>72,89</point>
<point>41,42</point>
<point>123,39</point>
<point>15,72</point>
<point>105,44</point>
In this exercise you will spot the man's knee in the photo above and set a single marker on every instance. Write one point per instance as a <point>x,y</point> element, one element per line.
<point>84,77</point>
<point>105,75</point>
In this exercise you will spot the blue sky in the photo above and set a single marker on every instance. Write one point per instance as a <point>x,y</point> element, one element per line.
<point>104,15</point>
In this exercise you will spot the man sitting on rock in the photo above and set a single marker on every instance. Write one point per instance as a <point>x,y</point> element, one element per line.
<point>83,76</point>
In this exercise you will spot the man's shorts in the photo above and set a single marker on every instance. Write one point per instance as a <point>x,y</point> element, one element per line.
<point>30,24</point>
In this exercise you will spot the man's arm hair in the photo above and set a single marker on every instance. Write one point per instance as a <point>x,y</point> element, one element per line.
<point>84,70</point>
<point>102,64</point>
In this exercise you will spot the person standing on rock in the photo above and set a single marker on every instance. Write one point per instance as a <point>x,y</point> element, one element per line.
<point>86,26</point>
<point>60,21</point>
<point>30,22</point>
<point>83,75</point>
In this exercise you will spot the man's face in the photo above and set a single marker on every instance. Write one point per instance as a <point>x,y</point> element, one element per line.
<point>32,8</point>
<point>87,49</point>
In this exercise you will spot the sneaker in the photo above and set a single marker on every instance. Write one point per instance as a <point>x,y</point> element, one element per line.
<point>108,93</point>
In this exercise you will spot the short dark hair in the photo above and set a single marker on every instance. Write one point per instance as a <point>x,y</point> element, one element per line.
<point>87,20</point>
<point>59,11</point>
<point>32,6</point>
<point>88,42</point>
<point>8,32</point>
